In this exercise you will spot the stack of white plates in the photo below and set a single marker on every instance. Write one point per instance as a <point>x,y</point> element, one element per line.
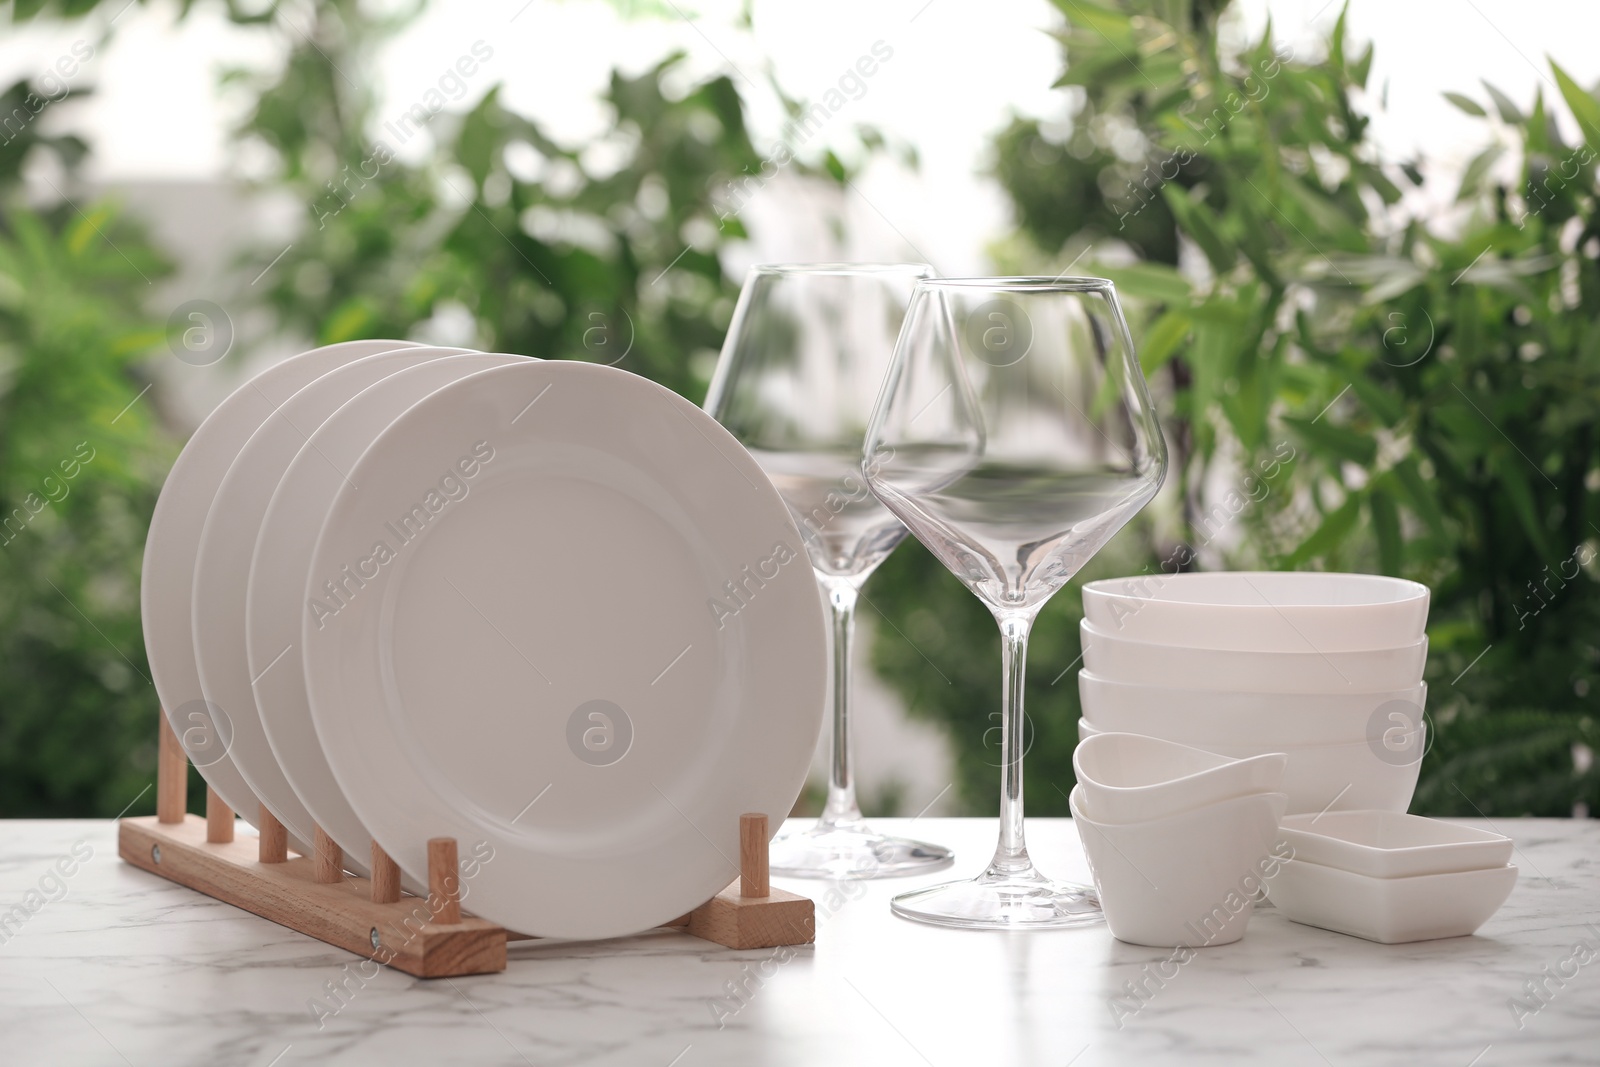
<point>1324,667</point>
<point>550,609</point>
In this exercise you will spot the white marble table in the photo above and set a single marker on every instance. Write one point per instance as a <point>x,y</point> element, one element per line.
<point>123,967</point>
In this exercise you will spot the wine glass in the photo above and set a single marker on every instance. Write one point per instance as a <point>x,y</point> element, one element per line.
<point>1014,436</point>
<point>807,349</point>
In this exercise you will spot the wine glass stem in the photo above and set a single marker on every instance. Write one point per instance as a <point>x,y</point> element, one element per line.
<point>841,807</point>
<point>1011,854</point>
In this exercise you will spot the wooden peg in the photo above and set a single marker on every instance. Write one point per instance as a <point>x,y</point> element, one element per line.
<point>327,858</point>
<point>385,877</point>
<point>172,776</point>
<point>219,819</point>
<point>754,875</point>
<point>750,913</point>
<point>274,838</point>
<point>444,880</point>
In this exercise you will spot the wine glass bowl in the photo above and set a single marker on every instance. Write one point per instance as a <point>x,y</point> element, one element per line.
<point>1016,464</point>
<point>1013,436</point>
<point>805,354</point>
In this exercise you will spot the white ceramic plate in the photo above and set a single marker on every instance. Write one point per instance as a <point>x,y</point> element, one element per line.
<point>222,567</point>
<point>1118,659</point>
<point>1261,611</point>
<point>1390,910</point>
<point>167,580</point>
<point>282,558</point>
<point>536,646</point>
<point>1386,844</point>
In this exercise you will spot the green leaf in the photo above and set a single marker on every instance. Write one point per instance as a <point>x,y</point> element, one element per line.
<point>1104,21</point>
<point>1386,526</point>
<point>1467,104</point>
<point>1472,177</point>
<point>1208,364</point>
<point>835,167</point>
<point>1150,280</point>
<point>348,322</point>
<point>88,227</point>
<point>1327,216</point>
<point>1512,470</point>
<point>1361,68</point>
<point>1330,534</point>
<point>480,138</point>
<point>1162,339</point>
<point>1509,112</point>
<point>1325,437</point>
<point>1246,407</point>
<point>1387,406</point>
<point>1585,108</point>
<point>1201,224</point>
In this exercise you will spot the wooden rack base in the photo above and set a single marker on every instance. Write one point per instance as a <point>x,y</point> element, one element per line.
<point>427,937</point>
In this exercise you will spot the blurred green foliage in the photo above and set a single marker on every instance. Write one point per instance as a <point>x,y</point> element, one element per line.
<point>606,252</point>
<point>1434,374</point>
<point>1433,377</point>
<point>80,460</point>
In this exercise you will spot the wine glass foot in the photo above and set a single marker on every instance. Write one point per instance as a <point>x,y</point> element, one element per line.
<point>851,852</point>
<point>1002,900</point>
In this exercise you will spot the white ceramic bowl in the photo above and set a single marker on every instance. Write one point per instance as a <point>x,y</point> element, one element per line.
<point>1390,910</point>
<point>1129,778</point>
<point>1120,659</point>
<point>1279,611</point>
<point>1387,844</point>
<point>1352,777</point>
<point>1189,879</point>
<point>1188,715</point>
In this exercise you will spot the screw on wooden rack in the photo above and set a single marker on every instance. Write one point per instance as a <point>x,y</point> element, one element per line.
<point>327,859</point>
<point>274,838</point>
<point>754,875</point>
<point>385,877</point>
<point>172,776</point>
<point>444,880</point>
<point>219,819</point>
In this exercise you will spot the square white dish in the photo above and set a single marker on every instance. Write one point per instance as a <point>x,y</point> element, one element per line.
<point>1390,910</point>
<point>1388,844</point>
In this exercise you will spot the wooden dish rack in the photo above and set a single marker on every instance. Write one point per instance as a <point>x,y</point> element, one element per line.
<point>428,937</point>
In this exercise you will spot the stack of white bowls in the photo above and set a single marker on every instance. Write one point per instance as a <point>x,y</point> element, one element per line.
<point>1178,840</point>
<point>1326,668</point>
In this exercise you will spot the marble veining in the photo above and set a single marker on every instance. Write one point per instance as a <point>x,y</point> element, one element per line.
<point>115,966</point>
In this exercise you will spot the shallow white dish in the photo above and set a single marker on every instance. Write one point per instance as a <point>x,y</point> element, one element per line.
<point>1189,879</point>
<point>1260,718</point>
<point>1386,844</point>
<point>167,580</point>
<point>1280,611</point>
<point>552,667</point>
<point>1390,910</point>
<point>1352,777</point>
<point>222,569</point>
<point>1132,778</point>
<point>282,560</point>
<point>1119,659</point>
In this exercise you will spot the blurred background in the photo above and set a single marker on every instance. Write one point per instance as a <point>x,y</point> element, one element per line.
<point>1360,247</point>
